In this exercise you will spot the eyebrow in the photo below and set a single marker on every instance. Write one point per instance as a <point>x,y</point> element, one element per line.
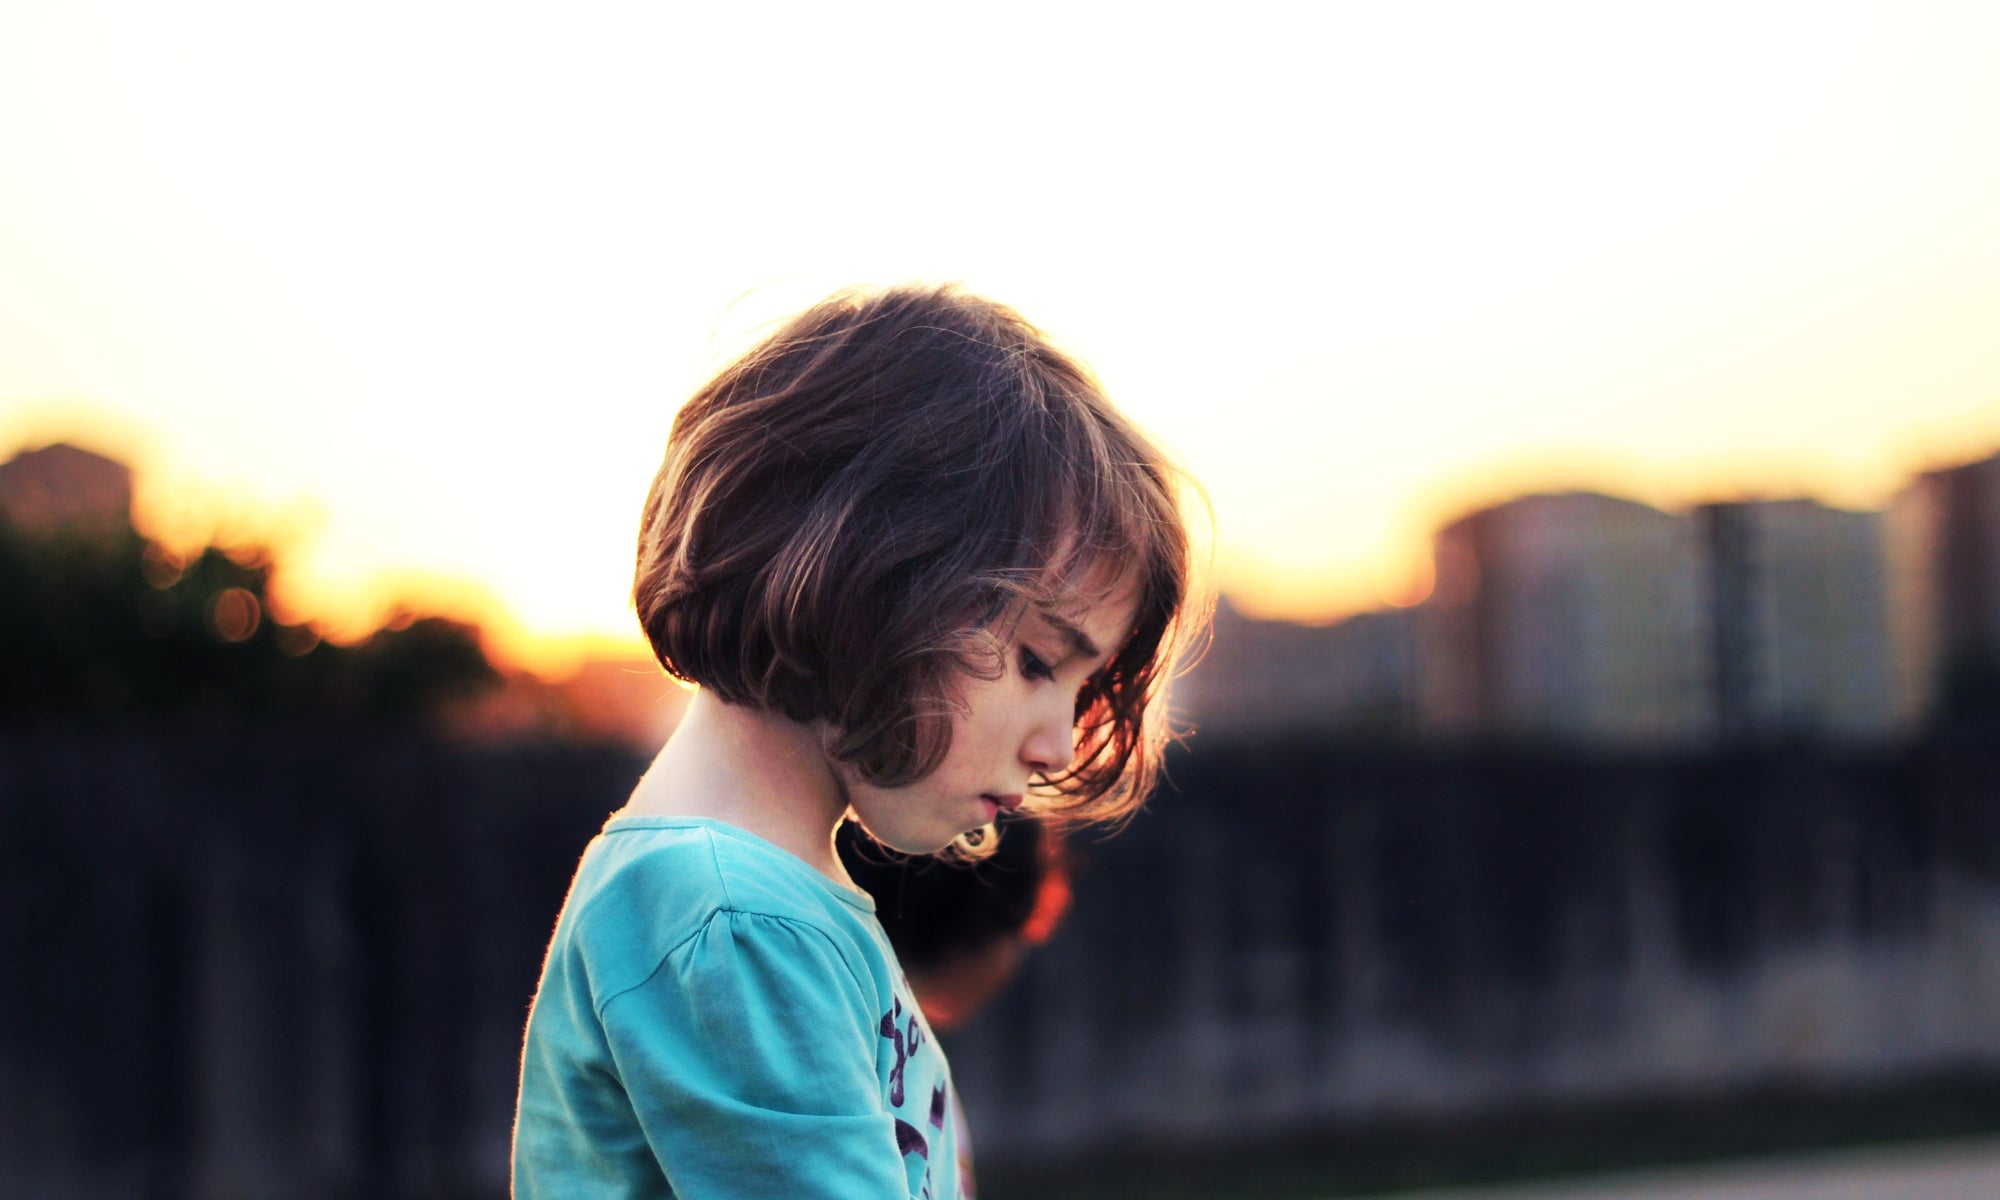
<point>1078,640</point>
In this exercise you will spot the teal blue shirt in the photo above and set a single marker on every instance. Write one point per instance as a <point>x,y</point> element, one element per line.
<point>718,1019</point>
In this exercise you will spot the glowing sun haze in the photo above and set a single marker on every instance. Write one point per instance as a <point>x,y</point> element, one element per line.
<point>416,287</point>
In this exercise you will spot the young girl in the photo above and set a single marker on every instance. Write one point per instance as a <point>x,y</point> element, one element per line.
<point>922,573</point>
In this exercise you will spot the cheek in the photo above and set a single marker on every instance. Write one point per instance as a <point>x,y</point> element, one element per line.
<point>971,739</point>
<point>975,745</point>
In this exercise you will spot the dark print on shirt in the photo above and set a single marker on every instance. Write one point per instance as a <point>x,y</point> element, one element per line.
<point>909,1139</point>
<point>937,1123</point>
<point>906,1040</point>
<point>905,1037</point>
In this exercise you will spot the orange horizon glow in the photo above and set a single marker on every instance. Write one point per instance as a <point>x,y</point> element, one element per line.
<point>183,515</point>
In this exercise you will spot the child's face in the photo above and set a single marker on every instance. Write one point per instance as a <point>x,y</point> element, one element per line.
<point>1011,729</point>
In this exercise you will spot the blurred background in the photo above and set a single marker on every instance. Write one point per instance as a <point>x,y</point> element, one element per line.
<point>1595,762</point>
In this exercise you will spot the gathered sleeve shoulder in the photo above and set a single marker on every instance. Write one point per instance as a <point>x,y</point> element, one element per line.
<point>750,1058</point>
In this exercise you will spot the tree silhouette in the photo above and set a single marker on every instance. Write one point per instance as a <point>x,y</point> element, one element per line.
<point>106,624</point>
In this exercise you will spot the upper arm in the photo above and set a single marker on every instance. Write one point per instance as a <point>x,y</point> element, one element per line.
<point>749,1058</point>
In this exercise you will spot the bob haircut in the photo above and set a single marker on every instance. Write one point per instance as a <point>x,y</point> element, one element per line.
<point>848,515</point>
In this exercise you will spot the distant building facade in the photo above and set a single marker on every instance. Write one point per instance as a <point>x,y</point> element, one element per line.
<point>1591,619</point>
<point>60,487</point>
<point>1799,610</point>
<point>1276,677</point>
<point>631,700</point>
<point>1571,617</point>
<point>1944,583</point>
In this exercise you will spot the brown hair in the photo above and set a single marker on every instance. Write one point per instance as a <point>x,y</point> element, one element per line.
<point>845,511</point>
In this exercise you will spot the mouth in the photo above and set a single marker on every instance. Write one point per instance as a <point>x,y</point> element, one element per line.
<point>1006,803</point>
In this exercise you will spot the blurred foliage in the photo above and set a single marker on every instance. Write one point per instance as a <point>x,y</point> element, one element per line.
<point>104,624</point>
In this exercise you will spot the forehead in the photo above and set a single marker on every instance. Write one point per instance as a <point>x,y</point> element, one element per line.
<point>1096,609</point>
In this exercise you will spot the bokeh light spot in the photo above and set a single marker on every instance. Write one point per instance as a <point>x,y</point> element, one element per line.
<point>161,568</point>
<point>297,640</point>
<point>233,615</point>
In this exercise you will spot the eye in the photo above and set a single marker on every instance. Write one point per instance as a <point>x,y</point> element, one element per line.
<point>1032,666</point>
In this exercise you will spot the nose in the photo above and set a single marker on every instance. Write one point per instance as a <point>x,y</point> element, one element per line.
<point>1051,742</point>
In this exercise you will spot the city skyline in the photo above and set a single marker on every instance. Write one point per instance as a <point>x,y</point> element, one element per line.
<point>1797,617</point>
<point>1582,618</point>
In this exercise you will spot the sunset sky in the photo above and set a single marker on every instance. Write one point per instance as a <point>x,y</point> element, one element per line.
<point>414,288</point>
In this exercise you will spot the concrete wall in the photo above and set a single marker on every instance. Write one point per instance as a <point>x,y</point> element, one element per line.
<point>298,967</point>
<point>1305,939</point>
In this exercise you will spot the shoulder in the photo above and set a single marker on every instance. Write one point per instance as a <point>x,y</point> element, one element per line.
<point>651,888</point>
<point>674,865</point>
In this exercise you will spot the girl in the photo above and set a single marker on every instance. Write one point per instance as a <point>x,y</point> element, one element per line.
<point>922,572</point>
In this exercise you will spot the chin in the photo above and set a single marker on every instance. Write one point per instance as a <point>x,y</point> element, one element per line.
<point>916,843</point>
<point>929,845</point>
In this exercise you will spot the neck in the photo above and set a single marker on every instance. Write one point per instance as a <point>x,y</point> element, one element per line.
<point>752,769</point>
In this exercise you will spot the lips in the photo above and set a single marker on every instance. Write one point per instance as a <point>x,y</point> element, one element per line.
<point>1006,803</point>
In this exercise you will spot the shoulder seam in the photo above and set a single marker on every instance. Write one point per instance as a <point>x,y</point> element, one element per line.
<point>721,876</point>
<point>725,910</point>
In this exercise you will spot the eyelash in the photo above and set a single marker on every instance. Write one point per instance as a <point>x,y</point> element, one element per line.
<point>1033,667</point>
